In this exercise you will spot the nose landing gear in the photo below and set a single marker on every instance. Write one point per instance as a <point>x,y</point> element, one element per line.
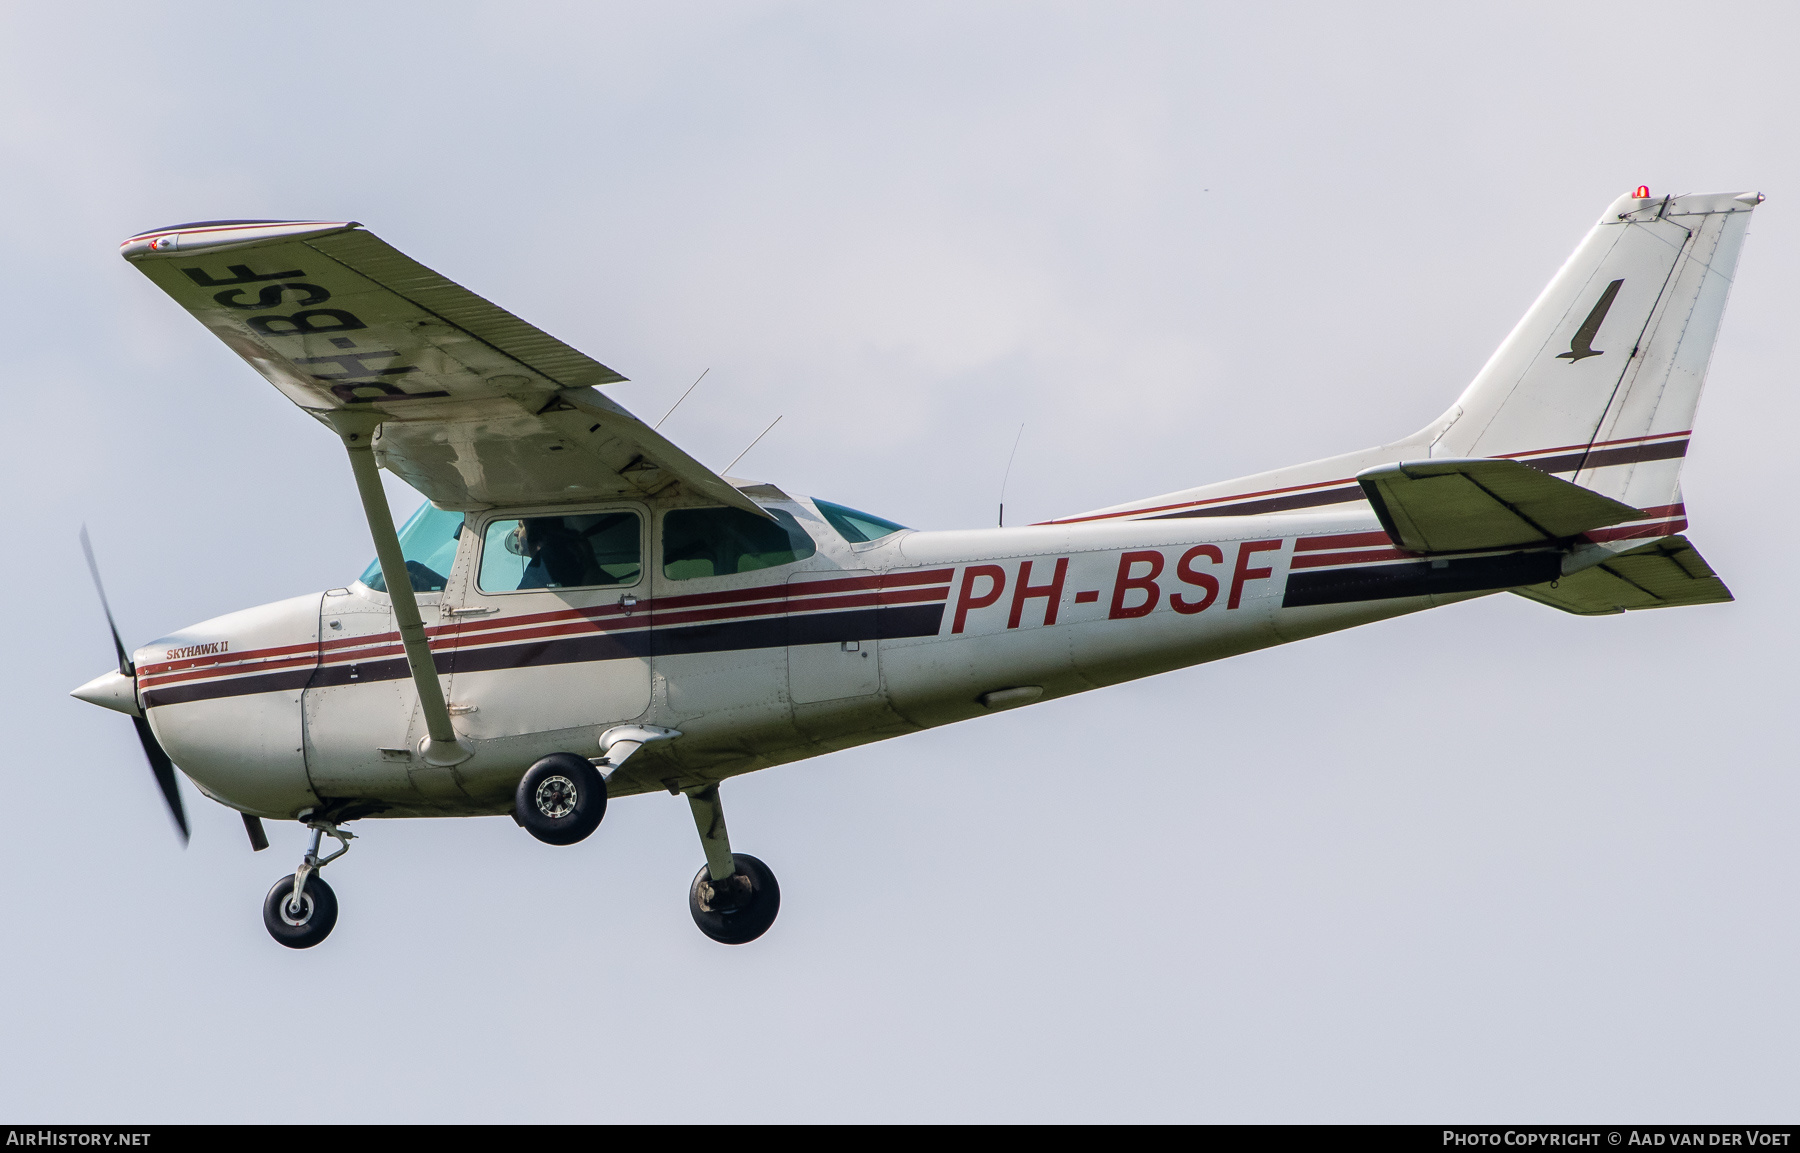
<point>301,910</point>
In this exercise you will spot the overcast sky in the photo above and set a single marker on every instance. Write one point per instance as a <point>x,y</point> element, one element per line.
<point>1491,862</point>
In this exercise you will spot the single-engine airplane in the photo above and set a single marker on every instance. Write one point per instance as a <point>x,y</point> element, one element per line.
<point>582,611</point>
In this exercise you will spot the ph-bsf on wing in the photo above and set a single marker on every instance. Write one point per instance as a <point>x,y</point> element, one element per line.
<point>474,406</point>
<point>582,611</point>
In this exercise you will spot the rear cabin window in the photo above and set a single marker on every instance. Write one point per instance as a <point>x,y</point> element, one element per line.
<point>856,527</point>
<point>428,544</point>
<point>704,542</point>
<point>561,552</point>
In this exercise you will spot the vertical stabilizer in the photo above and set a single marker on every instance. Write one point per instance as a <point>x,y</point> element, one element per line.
<point>1600,380</point>
<point>1597,384</point>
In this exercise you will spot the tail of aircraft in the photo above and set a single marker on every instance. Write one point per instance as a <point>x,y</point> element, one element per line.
<point>1600,380</point>
<point>1597,384</point>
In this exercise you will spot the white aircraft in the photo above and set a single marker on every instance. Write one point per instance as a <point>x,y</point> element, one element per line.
<point>582,611</point>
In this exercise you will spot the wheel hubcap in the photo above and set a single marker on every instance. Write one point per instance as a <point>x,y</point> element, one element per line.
<point>556,797</point>
<point>297,915</point>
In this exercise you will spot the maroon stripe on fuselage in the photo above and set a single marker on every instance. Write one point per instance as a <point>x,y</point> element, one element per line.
<point>1342,540</point>
<point>1565,458</point>
<point>1321,560</point>
<point>794,596</point>
<point>1638,531</point>
<point>875,622</point>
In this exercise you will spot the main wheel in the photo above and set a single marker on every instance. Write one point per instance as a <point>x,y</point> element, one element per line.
<point>738,909</point>
<point>560,799</point>
<point>305,925</point>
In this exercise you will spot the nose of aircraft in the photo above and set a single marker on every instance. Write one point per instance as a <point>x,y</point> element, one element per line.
<point>111,690</point>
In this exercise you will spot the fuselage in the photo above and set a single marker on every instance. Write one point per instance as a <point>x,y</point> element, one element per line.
<point>307,704</point>
<point>650,591</point>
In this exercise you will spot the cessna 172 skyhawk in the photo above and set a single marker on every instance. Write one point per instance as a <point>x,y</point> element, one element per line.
<point>583,611</point>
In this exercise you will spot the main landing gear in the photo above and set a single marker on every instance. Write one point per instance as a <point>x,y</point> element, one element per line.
<point>560,800</point>
<point>562,797</point>
<point>301,909</point>
<point>734,899</point>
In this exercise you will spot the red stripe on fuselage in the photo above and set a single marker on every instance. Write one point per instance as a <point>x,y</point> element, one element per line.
<point>1636,531</point>
<point>1344,540</point>
<point>1327,559</point>
<point>799,596</point>
<point>1241,496</point>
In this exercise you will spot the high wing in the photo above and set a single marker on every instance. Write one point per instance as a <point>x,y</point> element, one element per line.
<point>478,407</point>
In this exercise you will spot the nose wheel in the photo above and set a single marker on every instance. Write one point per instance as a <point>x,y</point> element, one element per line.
<point>303,923</point>
<point>301,910</point>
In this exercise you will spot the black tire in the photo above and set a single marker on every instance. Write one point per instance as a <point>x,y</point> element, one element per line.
<point>750,917</point>
<point>312,923</point>
<point>560,799</point>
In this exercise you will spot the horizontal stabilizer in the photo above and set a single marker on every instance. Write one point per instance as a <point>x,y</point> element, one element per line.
<point>1430,506</point>
<point>1662,574</point>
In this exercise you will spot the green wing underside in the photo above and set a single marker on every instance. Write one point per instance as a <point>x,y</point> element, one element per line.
<point>1667,573</point>
<point>479,407</point>
<point>1431,506</point>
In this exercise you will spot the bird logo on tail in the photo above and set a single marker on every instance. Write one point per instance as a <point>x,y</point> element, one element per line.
<point>1582,344</point>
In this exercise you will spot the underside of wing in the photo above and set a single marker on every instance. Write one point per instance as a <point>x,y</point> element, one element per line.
<point>478,407</point>
<point>1666,573</point>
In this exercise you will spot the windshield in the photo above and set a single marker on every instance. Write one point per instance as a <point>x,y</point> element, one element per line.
<point>428,542</point>
<point>856,527</point>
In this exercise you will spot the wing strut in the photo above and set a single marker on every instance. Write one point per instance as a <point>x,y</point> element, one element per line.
<point>440,747</point>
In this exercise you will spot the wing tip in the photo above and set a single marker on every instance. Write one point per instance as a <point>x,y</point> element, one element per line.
<point>204,234</point>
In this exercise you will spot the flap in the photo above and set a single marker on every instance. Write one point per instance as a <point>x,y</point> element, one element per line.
<point>479,408</point>
<point>1666,573</point>
<point>1467,505</point>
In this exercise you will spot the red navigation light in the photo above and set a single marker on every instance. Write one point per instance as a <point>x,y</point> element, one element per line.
<point>1643,192</point>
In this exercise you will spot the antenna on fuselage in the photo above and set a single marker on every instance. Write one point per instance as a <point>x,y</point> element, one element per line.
<point>726,471</point>
<point>1008,474</point>
<point>684,396</point>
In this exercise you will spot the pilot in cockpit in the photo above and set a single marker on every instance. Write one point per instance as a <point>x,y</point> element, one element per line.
<point>558,557</point>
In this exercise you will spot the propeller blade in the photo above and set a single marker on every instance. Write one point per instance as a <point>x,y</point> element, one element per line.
<point>164,768</point>
<point>160,764</point>
<point>125,668</point>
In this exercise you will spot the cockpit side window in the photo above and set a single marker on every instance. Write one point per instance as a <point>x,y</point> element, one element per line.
<point>704,542</point>
<point>559,552</point>
<point>856,527</point>
<point>428,543</point>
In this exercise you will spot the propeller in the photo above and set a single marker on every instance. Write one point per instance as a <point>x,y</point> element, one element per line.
<point>160,764</point>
